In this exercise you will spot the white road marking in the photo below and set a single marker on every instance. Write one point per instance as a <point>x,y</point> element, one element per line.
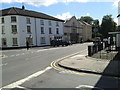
<point>23,54</point>
<point>18,83</point>
<point>12,55</point>
<point>3,64</point>
<point>88,86</point>
<point>20,87</point>
<point>48,49</point>
<point>77,56</point>
<point>17,54</point>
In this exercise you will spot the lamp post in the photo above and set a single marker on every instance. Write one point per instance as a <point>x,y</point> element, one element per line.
<point>95,29</point>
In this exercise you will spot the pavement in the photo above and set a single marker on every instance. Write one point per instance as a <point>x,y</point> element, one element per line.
<point>82,63</point>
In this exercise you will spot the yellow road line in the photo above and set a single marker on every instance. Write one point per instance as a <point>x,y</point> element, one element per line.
<point>53,64</point>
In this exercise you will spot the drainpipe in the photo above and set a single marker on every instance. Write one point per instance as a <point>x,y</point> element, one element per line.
<point>35,31</point>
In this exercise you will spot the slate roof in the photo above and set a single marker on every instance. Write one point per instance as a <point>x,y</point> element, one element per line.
<point>24,12</point>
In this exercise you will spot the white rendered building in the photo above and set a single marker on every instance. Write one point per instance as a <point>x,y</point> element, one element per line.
<point>18,25</point>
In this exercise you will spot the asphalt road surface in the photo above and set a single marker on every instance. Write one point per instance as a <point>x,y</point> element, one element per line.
<point>31,69</point>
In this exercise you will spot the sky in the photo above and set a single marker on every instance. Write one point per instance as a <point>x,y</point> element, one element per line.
<point>65,9</point>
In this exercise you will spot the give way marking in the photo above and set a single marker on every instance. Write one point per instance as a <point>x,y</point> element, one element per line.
<point>17,83</point>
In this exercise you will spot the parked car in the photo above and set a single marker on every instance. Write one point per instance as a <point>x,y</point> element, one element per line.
<point>60,42</point>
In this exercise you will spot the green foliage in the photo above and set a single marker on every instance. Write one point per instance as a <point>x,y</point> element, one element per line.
<point>108,25</point>
<point>118,28</point>
<point>87,19</point>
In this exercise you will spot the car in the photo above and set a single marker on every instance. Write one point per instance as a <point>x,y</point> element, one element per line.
<point>60,42</point>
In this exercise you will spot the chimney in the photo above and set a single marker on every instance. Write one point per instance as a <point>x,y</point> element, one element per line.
<point>23,7</point>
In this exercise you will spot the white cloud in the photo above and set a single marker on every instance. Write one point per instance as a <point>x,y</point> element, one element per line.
<point>64,16</point>
<point>87,14</point>
<point>50,2</point>
<point>115,4</point>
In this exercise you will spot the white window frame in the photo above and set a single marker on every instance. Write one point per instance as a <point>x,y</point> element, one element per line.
<point>29,29</point>
<point>43,40</point>
<point>50,30</point>
<point>15,41</point>
<point>42,30</point>
<point>57,31</point>
<point>3,29</point>
<point>57,23</point>
<point>4,40</point>
<point>13,19</point>
<point>41,22</point>
<point>2,20</point>
<point>50,23</point>
<point>28,21</point>
<point>14,29</point>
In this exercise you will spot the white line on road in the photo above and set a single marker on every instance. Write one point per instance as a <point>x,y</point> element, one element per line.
<point>23,54</point>
<point>77,56</point>
<point>17,83</point>
<point>12,55</point>
<point>17,54</point>
<point>88,87</point>
<point>3,64</point>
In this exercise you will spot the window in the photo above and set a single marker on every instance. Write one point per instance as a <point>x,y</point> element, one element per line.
<point>41,22</point>
<point>42,30</point>
<point>50,30</point>
<point>73,24</point>
<point>2,20</point>
<point>14,29</point>
<point>28,20</point>
<point>74,31</point>
<point>65,33</point>
<point>57,30</point>
<point>57,24</point>
<point>3,30</point>
<point>13,19</point>
<point>4,42</point>
<point>49,23</point>
<point>15,42</point>
<point>28,29</point>
<point>42,40</point>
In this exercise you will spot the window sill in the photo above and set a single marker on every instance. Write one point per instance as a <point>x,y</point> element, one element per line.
<point>15,45</point>
<point>14,33</point>
<point>3,33</point>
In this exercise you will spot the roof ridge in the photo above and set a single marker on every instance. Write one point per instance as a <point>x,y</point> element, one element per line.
<point>14,9</point>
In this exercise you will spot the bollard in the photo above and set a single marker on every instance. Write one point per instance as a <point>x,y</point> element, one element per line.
<point>90,51</point>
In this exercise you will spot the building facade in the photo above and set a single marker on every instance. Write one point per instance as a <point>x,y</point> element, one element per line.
<point>72,30</point>
<point>20,25</point>
<point>86,31</point>
<point>76,31</point>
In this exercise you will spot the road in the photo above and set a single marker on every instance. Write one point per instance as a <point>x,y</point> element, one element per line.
<point>31,69</point>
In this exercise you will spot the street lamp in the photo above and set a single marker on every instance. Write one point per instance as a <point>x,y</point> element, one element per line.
<point>95,29</point>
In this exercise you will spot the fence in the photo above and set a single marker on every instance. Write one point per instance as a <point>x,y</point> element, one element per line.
<point>94,49</point>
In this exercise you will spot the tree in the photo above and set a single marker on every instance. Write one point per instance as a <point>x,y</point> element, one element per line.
<point>118,28</point>
<point>108,25</point>
<point>87,19</point>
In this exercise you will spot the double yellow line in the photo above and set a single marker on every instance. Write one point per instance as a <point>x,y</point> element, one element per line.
<point>53,64</point>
